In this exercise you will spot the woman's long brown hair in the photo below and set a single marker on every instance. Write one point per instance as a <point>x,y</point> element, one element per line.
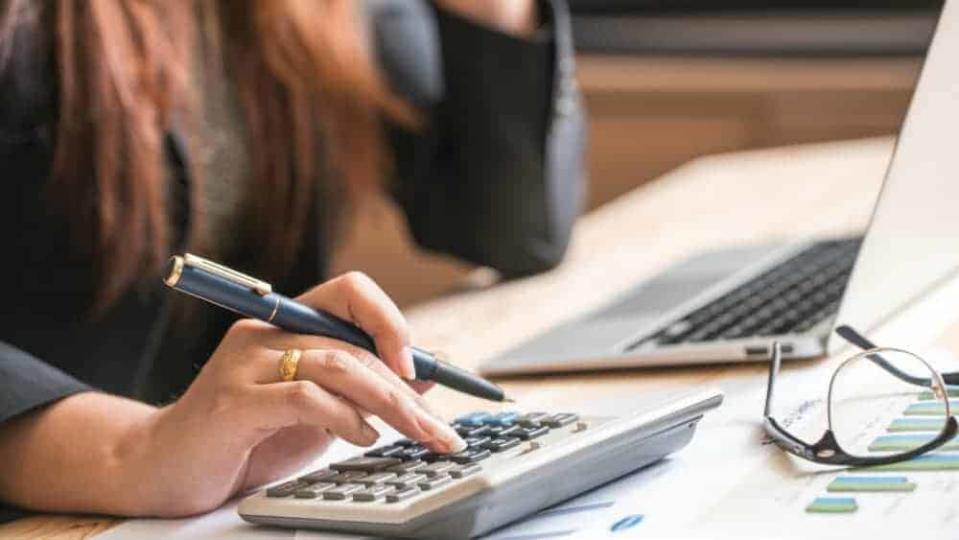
<point>310,94</point>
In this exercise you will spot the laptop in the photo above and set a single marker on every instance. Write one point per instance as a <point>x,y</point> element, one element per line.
<point>728,305</point>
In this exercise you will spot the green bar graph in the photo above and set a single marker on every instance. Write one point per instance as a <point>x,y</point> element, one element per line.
<point>927,462</point>
<point>899,443</point>
<point>832,505</point>
<point>858,483</point>
<point>916,424</point>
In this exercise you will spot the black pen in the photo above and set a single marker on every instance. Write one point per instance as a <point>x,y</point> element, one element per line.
<point>254,298</point>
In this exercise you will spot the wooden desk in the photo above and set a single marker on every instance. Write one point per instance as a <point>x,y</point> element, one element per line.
<point>727,199</point>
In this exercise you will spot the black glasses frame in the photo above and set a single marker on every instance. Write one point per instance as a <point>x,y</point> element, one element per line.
<point>827,450</point>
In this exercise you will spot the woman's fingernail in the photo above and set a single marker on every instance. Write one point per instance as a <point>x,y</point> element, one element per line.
<point>444,435</point>
<point>409,369</point>
<point>370,434</point>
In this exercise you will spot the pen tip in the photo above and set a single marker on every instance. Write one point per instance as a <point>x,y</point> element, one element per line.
<point>508,399</point>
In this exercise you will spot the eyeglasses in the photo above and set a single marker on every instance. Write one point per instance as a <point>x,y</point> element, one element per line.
<point>867,390</point>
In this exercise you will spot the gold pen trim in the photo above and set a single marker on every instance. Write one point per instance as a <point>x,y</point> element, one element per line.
<point>176,271</point>
<point>258,286</point>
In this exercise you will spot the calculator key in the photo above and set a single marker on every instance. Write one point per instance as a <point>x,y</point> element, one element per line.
<point>469,431</point>
<point>533,418</point>
<point>465,470</point>
<point>471,455</point>
<point>341,492</point>
<point>437,468</point>
<point>503,419</point>
<point>407,480</point>
<point>373,493</point>
<point>473,442</point>
<point>366,464</point>
<point>320,475</point>
<point>532,432</point>
<point>415,452</point>
<point>386,451</point>
<point>504,431</point>
<point>376,478</point>
<point>435,482</point>
<point>474,419</point>
<point>285,489</point>
<point>313,491</point>
<point>346,477</point>
<point>402,495</point>
<point>407,466</point>
<point>405,442</point>
<point>561,419</point>
<point>499,445</point>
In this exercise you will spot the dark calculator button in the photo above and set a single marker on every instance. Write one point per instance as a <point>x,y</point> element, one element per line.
<point>285,489</point>
<point>414,452</point>
<point>465,470</point>
<point>377,478</point>
<point>506,431</point>
<point>436,469</point>
<point>561,419</point>
<point>366,464</point>
<point>532,432</point>
<point>341,492</point>
<point>402,494</point>
<point>435,482</point>
<point>386,451</point>
<point>321,475</point>
<point>507,418</point>
<point>468,431</point>
<point>407,466</point>
<point>471,455</point>
<point>313,491</point>
<point>474,419</point>
<point>373,493</point>
<point>407,480</point>
<point>533,418</point>
<point>405,442</point>
<point>473,442</point>
<point>499,445</point>
<point>346,477</point>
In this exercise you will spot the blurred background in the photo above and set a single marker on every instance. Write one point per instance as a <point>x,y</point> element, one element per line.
<point>665,81</point>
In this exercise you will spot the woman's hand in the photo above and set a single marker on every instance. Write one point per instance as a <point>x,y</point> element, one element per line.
<point>517,17</point>
<point>237,426</point>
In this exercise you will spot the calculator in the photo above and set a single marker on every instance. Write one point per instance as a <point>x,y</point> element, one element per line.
<point>516,463</point>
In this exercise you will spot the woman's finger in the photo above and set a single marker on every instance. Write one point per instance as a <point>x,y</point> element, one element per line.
<point>305,403</point>
<point>357,298</point>
<point>278,340</point>
<point>353,378</point>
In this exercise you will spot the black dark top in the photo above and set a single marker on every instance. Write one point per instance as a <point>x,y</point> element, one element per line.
<point>495,178</point>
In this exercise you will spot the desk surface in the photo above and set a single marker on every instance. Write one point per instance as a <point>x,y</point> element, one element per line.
<point>727,199</point>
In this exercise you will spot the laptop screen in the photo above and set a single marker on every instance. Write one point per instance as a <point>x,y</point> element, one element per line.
<point>912,244</point>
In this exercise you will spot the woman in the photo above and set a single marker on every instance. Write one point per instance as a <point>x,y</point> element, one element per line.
<point>130,129</point>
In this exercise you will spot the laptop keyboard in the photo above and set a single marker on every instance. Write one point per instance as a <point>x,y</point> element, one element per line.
<point>792,297</point>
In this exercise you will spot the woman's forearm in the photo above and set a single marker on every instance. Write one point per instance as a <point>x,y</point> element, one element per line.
<point>83,453</point>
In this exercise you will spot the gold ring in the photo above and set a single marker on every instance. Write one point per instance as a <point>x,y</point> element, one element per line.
<point>288,364</point>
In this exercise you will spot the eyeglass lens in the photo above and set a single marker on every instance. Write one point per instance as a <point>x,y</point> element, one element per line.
<point>868,401</point>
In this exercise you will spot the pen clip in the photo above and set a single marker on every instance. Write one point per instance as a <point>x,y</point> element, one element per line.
<point>260,287</point>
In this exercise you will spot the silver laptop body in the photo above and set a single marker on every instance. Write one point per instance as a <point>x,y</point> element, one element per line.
<point>729,305</point>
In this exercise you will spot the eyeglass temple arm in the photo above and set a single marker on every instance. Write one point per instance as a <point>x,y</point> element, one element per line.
<point>774,363</point>
<point>857,339</point>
